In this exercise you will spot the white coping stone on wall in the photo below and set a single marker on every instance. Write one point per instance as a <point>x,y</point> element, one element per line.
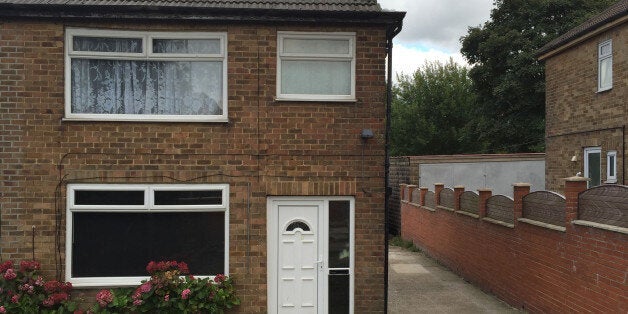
<point>462,212</point>
<point>600,226</point>
<point>498,222</point>
<point>542,224</point>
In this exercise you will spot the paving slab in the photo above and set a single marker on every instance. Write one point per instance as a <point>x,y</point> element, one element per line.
<point>418,284</point>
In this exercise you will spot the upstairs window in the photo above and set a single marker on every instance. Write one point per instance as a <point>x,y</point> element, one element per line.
<point>605,66</point>
<point>316,66</point>
<point>145,76</point>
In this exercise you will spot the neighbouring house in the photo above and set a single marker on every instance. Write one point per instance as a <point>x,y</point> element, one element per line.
<point>242,137</point>
<point>586,73</point>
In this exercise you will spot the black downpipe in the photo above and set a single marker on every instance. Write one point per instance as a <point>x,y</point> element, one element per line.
<point>390,34</point>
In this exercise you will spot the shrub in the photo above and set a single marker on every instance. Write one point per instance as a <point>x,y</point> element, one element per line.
<point>25,291</point>
<point>170,289</point>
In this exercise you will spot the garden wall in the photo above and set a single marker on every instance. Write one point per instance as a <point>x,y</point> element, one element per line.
<point>520,250</point>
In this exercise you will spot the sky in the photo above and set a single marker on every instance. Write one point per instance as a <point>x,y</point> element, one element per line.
<point>432,30</point>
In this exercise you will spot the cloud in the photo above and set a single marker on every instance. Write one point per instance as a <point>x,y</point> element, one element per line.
<point>406,59</point>
<point>438,23</point>
<point>432,30</point>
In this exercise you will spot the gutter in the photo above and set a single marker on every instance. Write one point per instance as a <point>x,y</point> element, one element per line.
<point>391,32</point>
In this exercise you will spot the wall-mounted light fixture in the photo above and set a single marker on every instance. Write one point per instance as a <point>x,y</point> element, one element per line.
<point>366,134</point>
<point>574,158</point>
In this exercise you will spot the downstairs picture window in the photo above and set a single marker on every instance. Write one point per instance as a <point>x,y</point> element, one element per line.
<point>114,231</point>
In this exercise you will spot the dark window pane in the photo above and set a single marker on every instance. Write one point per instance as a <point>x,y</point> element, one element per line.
<point>107,44</point>
<point>186,46</point>
<point>338,293</point>
<point>203,197</point>
<point>339,234</point>
<point>122,244</point>
<point>594,169</point>
<point>298,224</point>
<point>92,197</point>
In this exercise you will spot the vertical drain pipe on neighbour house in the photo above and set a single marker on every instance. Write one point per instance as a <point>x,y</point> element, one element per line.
<point>391,32</point>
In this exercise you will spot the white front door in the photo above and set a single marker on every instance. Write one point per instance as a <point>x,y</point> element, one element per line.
<point>298,251</point>
<point>310,259</point>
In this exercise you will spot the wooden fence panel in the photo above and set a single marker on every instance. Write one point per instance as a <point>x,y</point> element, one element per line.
<point>502,208</point>
<point>545,206</point>
<point>429,200</point>
<point>606,204</point>
<point>469,202</point>
<point>447,198</point>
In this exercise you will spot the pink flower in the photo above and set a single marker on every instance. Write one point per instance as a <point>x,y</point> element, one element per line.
<point>6,265</point>
<point>183,268</point>
<point>27,266</point>
<point>2,309</point>
<point>145,287</point>
<point>40,281</point>
<point>219,278</point>
<point>9,274</point>
<point>104,297</point>
<point>15,298</point>
<point>138,302</point>
<point>167,297</point>
<point>185,294</point>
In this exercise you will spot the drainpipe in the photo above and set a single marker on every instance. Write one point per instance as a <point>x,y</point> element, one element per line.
<point>391,32</point>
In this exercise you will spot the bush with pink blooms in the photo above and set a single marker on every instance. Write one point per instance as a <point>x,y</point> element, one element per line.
<point>170,289</point>
<point>23,290</point>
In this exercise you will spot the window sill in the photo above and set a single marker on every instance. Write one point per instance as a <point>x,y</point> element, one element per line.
<point>600,226</point>
<point>137,120</point>
<point>601,90</point>
<point>286,99</point>
<point>542,224</point>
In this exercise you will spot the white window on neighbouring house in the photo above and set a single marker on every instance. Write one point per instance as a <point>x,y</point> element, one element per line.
<point>114,230</point>
<point>605,66</point>
<point>145,76</point>
<point>611,166</point>
<point>593,165</point>
<point>316,66</point>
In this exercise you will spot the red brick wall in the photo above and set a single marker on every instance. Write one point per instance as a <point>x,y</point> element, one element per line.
<point>577,115</point>
<point>583,269</point>
<point>279,148</point>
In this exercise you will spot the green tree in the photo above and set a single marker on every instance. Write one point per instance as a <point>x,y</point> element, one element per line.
<point>509,81</point>
<point>431,111</point>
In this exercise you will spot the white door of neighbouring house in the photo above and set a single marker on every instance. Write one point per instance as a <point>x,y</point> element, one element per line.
<point>310,255</point>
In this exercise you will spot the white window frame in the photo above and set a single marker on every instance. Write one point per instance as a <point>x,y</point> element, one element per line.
<point>146,54</point>
<point>587,151</point>
<point>611,178</point>
<point>281,56</point>
<point>149,201</point>
<point>601,58</point>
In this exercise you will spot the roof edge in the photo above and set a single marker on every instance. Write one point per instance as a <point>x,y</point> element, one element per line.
<point>552,52</point>
<point>198,14</point>
<point>614,15</point>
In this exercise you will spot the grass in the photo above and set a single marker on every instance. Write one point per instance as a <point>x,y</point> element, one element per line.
<point>408,245</point>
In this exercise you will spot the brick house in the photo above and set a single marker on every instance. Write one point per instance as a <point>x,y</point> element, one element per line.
<point>240,136</point>
<point>586,72</point>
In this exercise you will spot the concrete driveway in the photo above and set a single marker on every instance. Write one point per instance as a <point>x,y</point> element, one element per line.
<point>417,284</point>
